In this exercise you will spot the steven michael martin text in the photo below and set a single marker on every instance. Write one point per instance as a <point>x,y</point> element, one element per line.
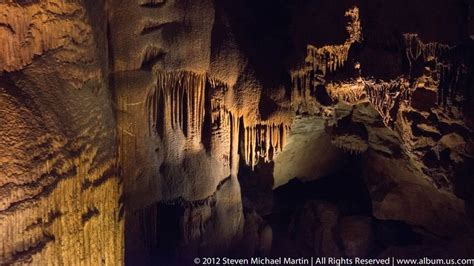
<point>263,261</point>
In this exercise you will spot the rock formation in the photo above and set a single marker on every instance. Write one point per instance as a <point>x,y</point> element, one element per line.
<point>59,185</point>
<point>153,132</point>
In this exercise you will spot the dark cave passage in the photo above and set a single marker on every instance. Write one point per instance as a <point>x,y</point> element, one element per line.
<point>340,203</point>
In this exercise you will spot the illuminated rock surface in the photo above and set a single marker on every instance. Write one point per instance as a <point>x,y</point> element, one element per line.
<point>152,132</point>
<point>59,185</point>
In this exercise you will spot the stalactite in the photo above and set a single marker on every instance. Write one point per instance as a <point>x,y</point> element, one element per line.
<point>234,144</point>
<point>450,69</point>
<point>351,92</point>
<point>451,79</point>
<point>415,49</point>
<point>387,97</point>
<point>302,83</point>
<point>263,141</point>
<point>328,58</point>
<point>321,61</point>
<point>182,95</point>
<point>219,111</point>
<point>226,123</point>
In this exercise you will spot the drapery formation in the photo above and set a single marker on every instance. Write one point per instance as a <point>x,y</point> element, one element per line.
<point>321,61</point>
<point>263,141</point>
<point>447,66</point>
<point>177,104</point>
<point>387,97</point>
<point>181,96</point>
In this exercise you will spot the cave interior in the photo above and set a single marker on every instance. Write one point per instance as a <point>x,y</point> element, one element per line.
<point>155,132</point>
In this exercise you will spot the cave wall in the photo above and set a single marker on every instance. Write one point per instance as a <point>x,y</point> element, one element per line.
<point>391,89</point>
<point>59,183</point>
<point>403,64</point>
<point>181,188</point>
<point>126,124</point>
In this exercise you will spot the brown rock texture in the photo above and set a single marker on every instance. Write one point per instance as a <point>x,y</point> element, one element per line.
<point>172,121</point>
<point>155,131</point>
<point>59,184</point>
